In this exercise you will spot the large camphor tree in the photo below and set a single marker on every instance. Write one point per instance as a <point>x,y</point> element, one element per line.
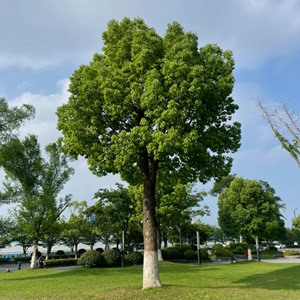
<point>147,103</point>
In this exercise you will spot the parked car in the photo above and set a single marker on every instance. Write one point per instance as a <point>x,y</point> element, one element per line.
<point>280,246</point>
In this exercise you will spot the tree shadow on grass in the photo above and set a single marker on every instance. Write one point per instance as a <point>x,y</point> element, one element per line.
<point>281,279</point>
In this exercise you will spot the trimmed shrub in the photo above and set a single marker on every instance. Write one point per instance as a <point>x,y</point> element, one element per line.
<point>112,257</point>
<point>61,262</point>
<point>239,250</point>
<point>182,249</point>
<point>190,254</point>
<point>91,258</point>
<point>204,254</point>
<point>165,254</point>
<point>223,252</point>
<point>273,248</point>
<point>173,253</point>
<point>234,246</point>
<point>215,248</point>
<point>134,257</point>
<point>291,252</point>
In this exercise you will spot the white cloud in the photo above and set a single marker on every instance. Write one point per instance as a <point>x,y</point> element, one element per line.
<point>38,34</point>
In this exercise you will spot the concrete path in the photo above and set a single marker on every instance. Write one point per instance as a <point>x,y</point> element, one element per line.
<point>25,265</point>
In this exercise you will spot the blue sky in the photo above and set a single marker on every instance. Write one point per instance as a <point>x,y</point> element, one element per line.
<point>43,42</point>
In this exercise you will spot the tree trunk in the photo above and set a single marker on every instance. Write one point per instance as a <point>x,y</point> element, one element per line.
<point>33,263</point>
<point>49,247</point>
<point>165,239</point>
<point>150,270</point>
<point>76,251</point>
<point>158,236</point>
<point>92,246</point>
<point>249,251</point>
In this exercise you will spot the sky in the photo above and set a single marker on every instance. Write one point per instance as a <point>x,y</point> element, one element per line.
<point>44,42</point>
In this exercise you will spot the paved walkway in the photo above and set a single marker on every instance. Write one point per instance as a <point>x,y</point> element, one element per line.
<point>25,265</point>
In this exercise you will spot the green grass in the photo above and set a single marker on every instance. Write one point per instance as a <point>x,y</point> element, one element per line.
<point>253,280</point>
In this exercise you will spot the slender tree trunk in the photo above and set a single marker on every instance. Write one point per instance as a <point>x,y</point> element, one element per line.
<point>150,268</point>
<point>158,236</point>
<point>33,263</point>
<point>76,251</point>
<point>249,251</point>
<point>165,239</point>
<point>49,246</point>
<point>92,246</point>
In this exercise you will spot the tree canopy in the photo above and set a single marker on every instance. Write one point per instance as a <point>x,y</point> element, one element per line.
<point>34,184</point>
<point>11,118</point>
<point>250,208</point>
<point>147,103</point>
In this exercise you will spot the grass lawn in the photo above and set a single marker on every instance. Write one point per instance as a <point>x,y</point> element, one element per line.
<point>242,280</point>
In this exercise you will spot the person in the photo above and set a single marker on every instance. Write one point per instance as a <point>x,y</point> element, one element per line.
<point>41,262</point>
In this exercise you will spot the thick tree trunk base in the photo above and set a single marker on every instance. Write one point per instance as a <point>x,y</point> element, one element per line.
<point>150,272</point>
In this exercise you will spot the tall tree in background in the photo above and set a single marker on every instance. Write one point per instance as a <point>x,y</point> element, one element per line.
<point>12,118</point>
<point>34,184</point>
<point>284,122</point>
<point>150,102</point>
<point>74,229</point>
<point>113,211</point>
<point>250,208</point>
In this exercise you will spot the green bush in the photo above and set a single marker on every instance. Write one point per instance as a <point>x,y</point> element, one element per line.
<point>182,249</point>
<point>242,246</point>
<point>112,257</point>
<point>22,258</point>
<point>134,257</point>
<point>91,258</point>
<point>239,250</point>
<point>291,252</point>
<point>61,262</point>
<point>204,254</point>
<point>215,248</point>
<point>173,253</point>
<point>223,252</point>
<point>190,254</point>
<point>273,248</point>
<point>165,254</point>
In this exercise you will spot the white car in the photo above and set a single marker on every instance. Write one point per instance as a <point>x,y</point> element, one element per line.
<point>280,246</point>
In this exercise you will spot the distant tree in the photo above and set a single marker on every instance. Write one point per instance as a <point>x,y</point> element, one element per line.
<point>216,234</point>
<point>34,184</point>
<point>284,122</point>
<point>179,207</point>
<point>113,211</point>
<point>21,238</point>
<point>222,184</point>
<point>6,226</point>
<point>150,102</point>
<point>76,226</point>
<point>12,118</point>
<point>296,222</point>
<point>249,208</point>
